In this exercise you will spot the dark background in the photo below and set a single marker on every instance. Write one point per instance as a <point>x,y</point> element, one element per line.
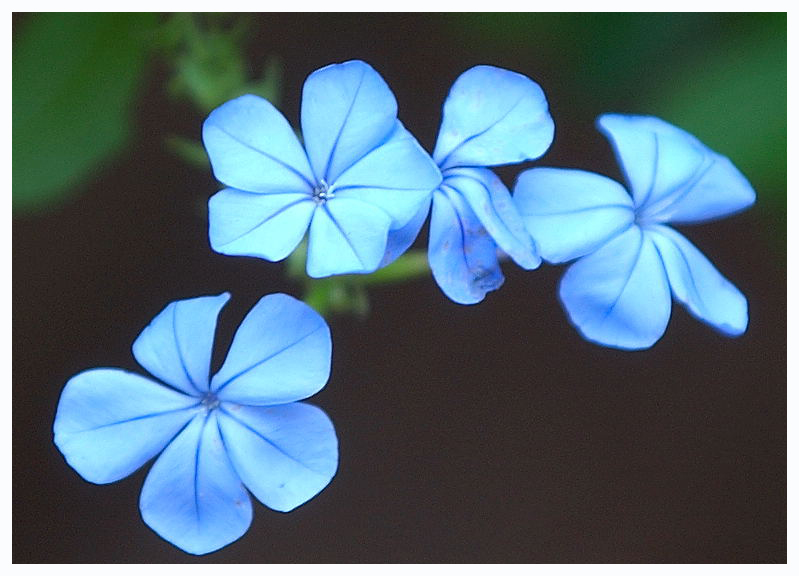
<point>487,433</point>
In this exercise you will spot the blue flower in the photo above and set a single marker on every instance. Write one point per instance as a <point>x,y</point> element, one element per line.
<point>242,427</point>
<point>360,175</point>
<point>491,117</point>
<point>630,264</point>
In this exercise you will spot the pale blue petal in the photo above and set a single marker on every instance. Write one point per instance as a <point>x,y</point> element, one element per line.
<point>285,455</point>
<point>462,255</point>
<point>400,240</point>
<point>192,496</point>
<point>176,346</point>
<point>696,283</point>
<point>268,226</point>
<point>656,157</point>
<point>718,189</point>
<point>252,147</point>
<point>673,176</point>
<point>571,213</point>
<point>491,202</point>
<point>398,177</point>
<point>110,422</point>
<point>619,296</point>
<point>347,110</point>
<point>280,353</point>
<point>347,236</point>
<point>491,117</point>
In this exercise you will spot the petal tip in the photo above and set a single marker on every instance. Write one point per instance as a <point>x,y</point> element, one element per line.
<point>621,342</point>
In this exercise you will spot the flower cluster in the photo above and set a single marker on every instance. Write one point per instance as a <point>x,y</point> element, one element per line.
<point>366,188</point>
<point>360,187</point>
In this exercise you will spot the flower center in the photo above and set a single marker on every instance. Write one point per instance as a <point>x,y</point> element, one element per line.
<point>321,192</point>
<point>210,401</point>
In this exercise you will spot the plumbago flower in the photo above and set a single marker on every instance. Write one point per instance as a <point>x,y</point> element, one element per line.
<point>241,428</point>
<point>630,263</point>
<point>491,117</point>
<point>360,176</point>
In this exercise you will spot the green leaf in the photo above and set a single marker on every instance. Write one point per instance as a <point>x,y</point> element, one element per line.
<point>74,82</point>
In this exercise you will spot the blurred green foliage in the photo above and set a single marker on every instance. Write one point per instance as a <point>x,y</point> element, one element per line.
<point>74,78</point>
<point>207,54</point>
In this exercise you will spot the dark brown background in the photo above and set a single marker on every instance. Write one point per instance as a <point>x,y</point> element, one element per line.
<point>489,433</point>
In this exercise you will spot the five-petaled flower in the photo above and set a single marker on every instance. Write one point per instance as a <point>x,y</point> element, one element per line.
<point>491,117</point>
<point>241,428</point>
<point>359,178</point>
<point>630,264</point>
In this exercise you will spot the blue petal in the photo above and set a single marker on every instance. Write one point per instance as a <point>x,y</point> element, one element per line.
<point>347,236</point>
<point>176,346</point>
<point>398,177</point>
<point>673,176</point>
<point>266,226</point>
<point>571,213</point>
<point>696,283</point>
<point>491,202</point>
<point>110,422</point>
<point>347,110</point>
<point>400,240</point>
<point>493,116</point>
<point>285,455</point>
<point>462,255</point>
<point>619,296</point>
<point>252,147</point>
<point>280,354</point>
<point>192,496</point>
